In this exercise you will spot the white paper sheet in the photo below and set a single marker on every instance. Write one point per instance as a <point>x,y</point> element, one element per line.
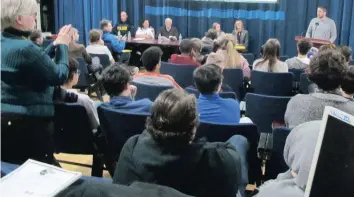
<point>36,179</point>
<point>137,39</point>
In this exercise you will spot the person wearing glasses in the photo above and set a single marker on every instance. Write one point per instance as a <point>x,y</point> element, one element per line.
<point>82,99</point>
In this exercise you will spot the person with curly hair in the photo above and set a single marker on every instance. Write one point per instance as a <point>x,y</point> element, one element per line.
<point>167,154</point>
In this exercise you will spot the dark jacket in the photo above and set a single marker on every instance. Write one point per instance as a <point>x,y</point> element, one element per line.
<point>78,50</point>
<point>123,28</point>
<point>173,32</point>
<point>243,39</point>
<point>28,75</point>
<point>201,169</point>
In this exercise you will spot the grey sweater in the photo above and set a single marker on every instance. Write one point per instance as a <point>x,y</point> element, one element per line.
<point>304,108</point>
<point>325,29</point>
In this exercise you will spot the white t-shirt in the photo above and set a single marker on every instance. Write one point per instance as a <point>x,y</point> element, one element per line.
<point>143,31</point>
<point>99,49</point>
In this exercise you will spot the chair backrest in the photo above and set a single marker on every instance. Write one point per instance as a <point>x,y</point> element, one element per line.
<point>84,78</point>
<point>304,83</point>
<point>284,58</point>
<point>275,84</point>
<point>249,57</point>
<point>231,95</point>
<point>264,110</point>
<point>277,164</point>
<point>222,133</point>
<point>149,91</point>
<point>183,74</point>
<point>118,128</point>
<point>234,78</point>
<point>104,59</point>
<point>296,74</point>
<point>72,129</point>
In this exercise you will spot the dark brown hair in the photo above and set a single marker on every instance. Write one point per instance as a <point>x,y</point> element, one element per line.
<point>271,53</point>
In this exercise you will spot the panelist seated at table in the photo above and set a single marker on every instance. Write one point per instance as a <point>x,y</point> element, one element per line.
<point>241,35</point>
<point>168,30</point>
<point>123,26</point>
<point>145,31</point>
<point>217,28</point>
<point>187,56</point>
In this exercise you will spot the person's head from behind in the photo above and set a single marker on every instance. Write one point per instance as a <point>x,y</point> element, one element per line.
<point>327,47</point>
<point>116,81</point>
<point>271,49</point>
<point>348,84</point>
<point>151,59</point>
<point>186,47</point>
<point>145,24</point>
<point>106,25</point>
<point>96,37</point>
<point>168,23</point>
<point>73,76</point>
<point>76,35</point>
<point>123,16</point>
<point>327,69</point>
<point>303,46</point>
<point>346,52</point>
<point>208,78</point>
<point>228,43</point>
<point>36,37</point>
<point>174,118</point>
<point>212,34</point>
<point>19,14</point>
<point>216,27</point>
<point>239,25</point>
<point>197,45</point>
<point>321,12</point>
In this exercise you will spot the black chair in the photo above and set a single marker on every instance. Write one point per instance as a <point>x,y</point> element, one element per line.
<point>149,91</point>
<point>296,77</point>
<point>118,128</point>
<point>284,58</point>
<point>222,133</point>
<point>274,84</point>
<point>230,95</point>
<point>304,83</point>
<point>206,50</point>
<point>277,164</point>
<point>73,134</point>
<point>104,59</point>
<point>234,78</point>
<point>249,57</point>
<point>183,74</point>
<point>264,110</point>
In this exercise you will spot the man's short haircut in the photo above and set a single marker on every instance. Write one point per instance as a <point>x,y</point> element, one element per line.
<point>207,78</point>
<point>104,23</point>
<point>35,35</point>
<point>197,45</point>
<point>151,57</point>
<point>346,52</point>
<point>115,79</point>
<point>173,119</point>
<point>212,34</point>
<point>327,69</point>
<point>304,46</point>
<point>348,82</point>
<point>186,46</point>
<point>95,35</point>
<point>323,8</point>
<point>73,67</point>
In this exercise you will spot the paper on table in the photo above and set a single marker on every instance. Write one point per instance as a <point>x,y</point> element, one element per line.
<point>36,179</point>
<point>139,39</point>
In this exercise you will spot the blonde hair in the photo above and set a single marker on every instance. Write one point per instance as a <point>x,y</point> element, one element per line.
<point>95,35</point>
<point>11,9</point>
<point>235,27</point>
<point>234,59</point>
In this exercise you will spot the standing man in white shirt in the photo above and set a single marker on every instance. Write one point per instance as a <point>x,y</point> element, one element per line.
<point>145,31</point>
<point>322,27</point>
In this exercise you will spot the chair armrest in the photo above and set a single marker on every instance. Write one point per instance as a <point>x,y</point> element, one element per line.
<point>265,146</point>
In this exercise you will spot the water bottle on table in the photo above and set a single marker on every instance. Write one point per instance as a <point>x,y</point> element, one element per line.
<point>159,38</point>
<point>129,36</point>
<point>180,38</point>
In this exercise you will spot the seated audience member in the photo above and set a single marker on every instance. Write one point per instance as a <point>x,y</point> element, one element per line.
<point>347,53</point>
<point>78,50</point>
<point>188,54</point>
<point>166,154</point>
<point>36,37</point>
<point>298,153</point>
<point>151,59</point>
<point>348,85</point>
<point>327,47</point>
<point>97,46</point>
<point>217,28</point>
<point>301,61</point>
<point>227,56</point>
<point>82,99</point>
<point>116,81</point>
<point>168,30</point>
<point>209,39</point>
<point>197,47</point>
<point>240,34</point>
<point>123,26</point>
<point>327,71</point>
<point>212,108</point>
<point>270,59</point>
<point>112,41</point>
<point>145,31</point>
